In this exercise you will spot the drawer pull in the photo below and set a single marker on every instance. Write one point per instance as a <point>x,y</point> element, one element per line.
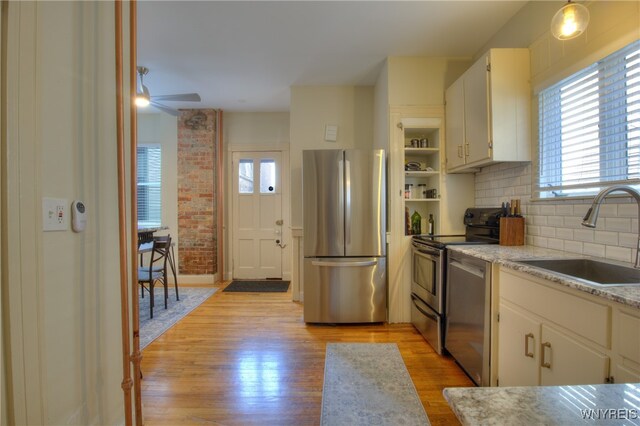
<point>526,345</point>
<point>543,363</point>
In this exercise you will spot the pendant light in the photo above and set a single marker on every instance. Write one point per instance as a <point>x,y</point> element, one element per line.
<point>570,21</point>
<point>142,96</point>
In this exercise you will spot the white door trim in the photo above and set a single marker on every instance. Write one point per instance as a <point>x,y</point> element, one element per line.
<point>283,148</point>
<point>22,240</point>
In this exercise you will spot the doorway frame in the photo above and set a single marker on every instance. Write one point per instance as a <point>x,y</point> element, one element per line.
<point>283,148</point>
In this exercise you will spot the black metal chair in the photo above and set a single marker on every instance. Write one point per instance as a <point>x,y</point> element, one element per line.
<point>172,263</point>
<point>156,271</point>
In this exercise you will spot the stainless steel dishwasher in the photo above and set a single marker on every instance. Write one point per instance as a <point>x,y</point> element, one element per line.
<point>468,310</point>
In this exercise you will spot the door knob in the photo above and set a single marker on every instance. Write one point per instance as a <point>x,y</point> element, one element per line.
<point>279,222</point>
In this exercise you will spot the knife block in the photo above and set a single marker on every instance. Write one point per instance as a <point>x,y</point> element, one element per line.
<point>512,231</point>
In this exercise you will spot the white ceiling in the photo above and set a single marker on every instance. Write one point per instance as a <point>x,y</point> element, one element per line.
<point>245,55</point>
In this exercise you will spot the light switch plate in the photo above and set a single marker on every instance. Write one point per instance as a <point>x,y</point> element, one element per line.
<point>55,214</point>
<point>330,133</point>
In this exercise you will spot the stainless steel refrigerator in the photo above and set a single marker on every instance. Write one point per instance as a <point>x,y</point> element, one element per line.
<point>344,236</point>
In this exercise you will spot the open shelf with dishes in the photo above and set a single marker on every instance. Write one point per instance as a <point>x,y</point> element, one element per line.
<point>422,165</point>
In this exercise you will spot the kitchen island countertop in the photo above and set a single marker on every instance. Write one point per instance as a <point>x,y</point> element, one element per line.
<point>508,256</point>
<point>547,405</point>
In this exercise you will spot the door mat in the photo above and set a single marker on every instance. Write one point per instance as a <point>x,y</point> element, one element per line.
<point>258,286</point>
<point>368,384</point>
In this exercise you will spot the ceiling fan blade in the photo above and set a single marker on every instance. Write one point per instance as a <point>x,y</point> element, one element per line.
<point>185,97</point>
<point>166,109</point>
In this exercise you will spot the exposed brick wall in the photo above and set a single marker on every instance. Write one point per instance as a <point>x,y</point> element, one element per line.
<point>196,191</point>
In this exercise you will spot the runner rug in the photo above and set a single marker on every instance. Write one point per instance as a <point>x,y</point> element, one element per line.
<point>368,384</point>
<point>163,319</point>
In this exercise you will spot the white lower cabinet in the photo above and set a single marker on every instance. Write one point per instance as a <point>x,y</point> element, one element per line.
<point>566,361</point>
<point>533,353</point>
<point>627,338</point>
<point>518,349</point>
<point>540,343</point>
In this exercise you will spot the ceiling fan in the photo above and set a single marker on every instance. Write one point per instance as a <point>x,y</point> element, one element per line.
<point>143,98</point>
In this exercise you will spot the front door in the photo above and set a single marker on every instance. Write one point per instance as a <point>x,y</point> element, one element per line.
<point>257,215</point>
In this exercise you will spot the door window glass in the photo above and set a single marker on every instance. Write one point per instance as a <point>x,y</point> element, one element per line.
<point>245,176</point>
<point>267,176</point>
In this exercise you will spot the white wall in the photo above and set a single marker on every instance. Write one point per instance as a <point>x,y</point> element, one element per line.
<point>253,130</point>
<point>422,80</point>
<point>62,288</point>
<point>241,128</point>
<point>348,107</point>
<point>556,224</point>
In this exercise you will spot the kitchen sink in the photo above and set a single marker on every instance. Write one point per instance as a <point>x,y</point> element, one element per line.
<point>594,272</point>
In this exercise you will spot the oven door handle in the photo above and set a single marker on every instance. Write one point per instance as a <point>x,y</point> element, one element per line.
<point>427,314</point>
<point>427,254</point>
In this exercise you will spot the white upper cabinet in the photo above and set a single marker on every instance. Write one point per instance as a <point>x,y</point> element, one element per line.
<point>455,125</point>
<point>488,112</point>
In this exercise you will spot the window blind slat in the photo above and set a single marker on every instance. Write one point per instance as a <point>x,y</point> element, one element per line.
<point>149,185</point>
<point>590,127</point>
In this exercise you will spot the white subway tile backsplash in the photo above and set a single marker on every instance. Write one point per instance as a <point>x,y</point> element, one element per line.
<point>539,220</point>
<point>532,230</point>
<point>619,253</point>
<point>534,209</point>
<point>556,244</point>
<point>548,210</point>
<point>547,231</point>
<point>540,242</point>
<point>564,210</point>
<point>593,249</point>
<point>557,224</point>
<point>585,235</point>
<point>617,224</point>
<point>605,237</point>
<point>573,246</point>
<point>627,239</point>
<point>628,210</point>
<point>557,221</point>
<point>564,233</point>
<point>608,210</point>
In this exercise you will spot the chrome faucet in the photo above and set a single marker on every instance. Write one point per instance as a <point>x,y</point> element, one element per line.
<point>590,218</point>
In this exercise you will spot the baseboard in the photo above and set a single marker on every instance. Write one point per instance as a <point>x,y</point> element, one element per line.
<point>197,279</point>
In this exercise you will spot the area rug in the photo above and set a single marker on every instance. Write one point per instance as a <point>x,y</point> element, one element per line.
<point>163,319</point>
<point>258,286</point>
<point>368,384</point>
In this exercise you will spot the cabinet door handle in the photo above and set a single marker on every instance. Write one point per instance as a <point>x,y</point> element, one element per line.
<point>466,149</point>
<point>543,363</point>
<point>526,344</point>
<point>459,151</point>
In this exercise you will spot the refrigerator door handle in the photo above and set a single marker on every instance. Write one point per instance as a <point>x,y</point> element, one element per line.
<point>344,264</point>
<point>347,210</point>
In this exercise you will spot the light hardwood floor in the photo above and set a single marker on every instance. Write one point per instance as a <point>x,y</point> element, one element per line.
<point>248,358</point>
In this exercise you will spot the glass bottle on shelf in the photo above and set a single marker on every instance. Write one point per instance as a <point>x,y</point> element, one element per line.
<point>415,223</point>
<point>432,225</point>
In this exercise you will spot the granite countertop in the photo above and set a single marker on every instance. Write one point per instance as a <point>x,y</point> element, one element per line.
<point>508,255</point>
<point>547,405</point>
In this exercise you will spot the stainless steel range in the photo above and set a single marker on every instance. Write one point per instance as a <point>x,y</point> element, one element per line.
<point>429,271</point>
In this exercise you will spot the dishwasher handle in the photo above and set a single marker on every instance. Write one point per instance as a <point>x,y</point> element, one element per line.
<point>478,272</point>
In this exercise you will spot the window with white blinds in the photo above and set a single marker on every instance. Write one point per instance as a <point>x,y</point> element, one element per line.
<point>149,183</point>
<point>590,128</point>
